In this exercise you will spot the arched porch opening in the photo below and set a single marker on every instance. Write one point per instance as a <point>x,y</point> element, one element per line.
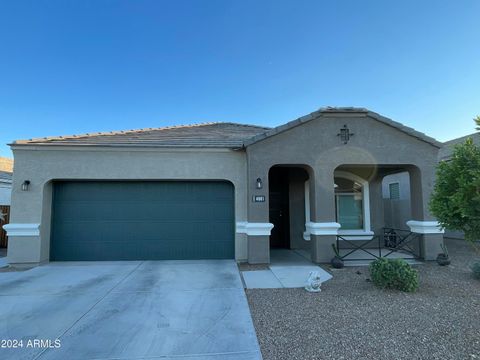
<point>373,204</point>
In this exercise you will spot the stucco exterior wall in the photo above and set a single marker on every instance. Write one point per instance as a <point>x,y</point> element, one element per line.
<point>41,165</point>
<point>403,180</point>
<point>397,211</point>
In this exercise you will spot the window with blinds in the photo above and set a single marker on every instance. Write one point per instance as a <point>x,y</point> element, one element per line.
<point>394,191</point>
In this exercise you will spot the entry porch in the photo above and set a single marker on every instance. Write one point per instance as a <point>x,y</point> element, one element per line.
<point>371,209</point>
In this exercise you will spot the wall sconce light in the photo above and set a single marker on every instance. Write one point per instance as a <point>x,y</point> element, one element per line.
<point>259,184</point>
<point>25,185</point>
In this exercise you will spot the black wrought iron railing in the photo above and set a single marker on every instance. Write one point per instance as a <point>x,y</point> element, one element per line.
<point>401,240</point>
<point>397,243</point>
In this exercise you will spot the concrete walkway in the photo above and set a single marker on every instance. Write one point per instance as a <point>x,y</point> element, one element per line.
<point>128,310</point>
<point>3,262</point>
<point>288,269</point>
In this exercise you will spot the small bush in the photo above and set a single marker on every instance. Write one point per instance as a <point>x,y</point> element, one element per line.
<point>476,270</point>
<point>394,274</point>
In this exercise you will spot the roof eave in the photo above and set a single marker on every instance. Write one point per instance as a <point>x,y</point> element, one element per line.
<point>139,145</point>
<point>406,129</point>
<point>281,128</point>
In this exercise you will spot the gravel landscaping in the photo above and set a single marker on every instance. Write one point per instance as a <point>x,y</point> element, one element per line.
<point>352,319</point>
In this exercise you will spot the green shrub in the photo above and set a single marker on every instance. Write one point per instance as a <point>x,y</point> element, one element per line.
<point>394,274</point>
<point>476,270</point>
<point>455,198</point>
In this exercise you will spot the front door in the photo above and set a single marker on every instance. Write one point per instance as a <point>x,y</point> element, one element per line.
<point>279,213</point>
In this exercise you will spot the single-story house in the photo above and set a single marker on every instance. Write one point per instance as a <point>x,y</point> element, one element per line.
<point>6,173</point>
<point>217,190</point>
<point>5,188</point>
<point>446,151</point>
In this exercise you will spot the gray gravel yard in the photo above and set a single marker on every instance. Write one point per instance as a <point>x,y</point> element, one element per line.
<point>352,319</point>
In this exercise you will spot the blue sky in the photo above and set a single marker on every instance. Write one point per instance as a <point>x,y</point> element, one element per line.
<point>70,67</point>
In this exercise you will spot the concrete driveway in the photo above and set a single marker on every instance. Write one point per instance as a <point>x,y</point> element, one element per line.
<point>127,310</point>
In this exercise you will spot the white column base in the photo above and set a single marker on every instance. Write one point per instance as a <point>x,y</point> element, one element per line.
<point>425,227</point>
<point>326,228</point>
<point>254,229</point>
<point>356,234</point>
<point>22,229</point>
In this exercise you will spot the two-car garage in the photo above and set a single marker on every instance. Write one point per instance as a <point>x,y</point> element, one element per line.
<point>142,220</point>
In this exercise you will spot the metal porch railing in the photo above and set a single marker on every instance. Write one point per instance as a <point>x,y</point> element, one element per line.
<point>393,243</point>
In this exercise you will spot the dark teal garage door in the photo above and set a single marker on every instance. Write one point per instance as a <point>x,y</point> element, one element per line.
<point>142,220</point>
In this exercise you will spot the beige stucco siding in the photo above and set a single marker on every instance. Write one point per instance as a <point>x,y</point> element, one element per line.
<point>41,165</point>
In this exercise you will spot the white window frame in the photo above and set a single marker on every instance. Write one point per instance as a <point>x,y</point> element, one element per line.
<point>306,233</point>
<point>366,230</point>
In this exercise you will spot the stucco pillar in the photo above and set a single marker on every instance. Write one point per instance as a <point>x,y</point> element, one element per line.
<point>258,226</point>
<point>322,227</point>
<point>28,241</point>
<point>423,222</point>
<point>377,215</point>
<point>259,249</point>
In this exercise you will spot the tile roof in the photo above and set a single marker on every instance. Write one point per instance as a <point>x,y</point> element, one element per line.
<point>208,135</point>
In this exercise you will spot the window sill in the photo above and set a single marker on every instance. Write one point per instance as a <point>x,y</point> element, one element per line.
<point>359,234</point>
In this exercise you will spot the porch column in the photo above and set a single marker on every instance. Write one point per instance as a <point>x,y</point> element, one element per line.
<point>322,227</point>
<point>376,213</point>
<point>423,223</point>
<point>29,228</point>
<point>257,228</point>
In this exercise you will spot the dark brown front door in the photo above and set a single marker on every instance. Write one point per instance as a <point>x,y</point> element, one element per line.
<point>279,214</point>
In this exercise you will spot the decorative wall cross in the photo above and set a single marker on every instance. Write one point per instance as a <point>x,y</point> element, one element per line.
<point>345,134</point>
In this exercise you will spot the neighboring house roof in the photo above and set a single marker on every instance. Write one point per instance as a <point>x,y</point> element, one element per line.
<point>5,177</point>
<point>6,164</point>
<point>344,110</point>
<point>447,150</point>
<point>209,135</point>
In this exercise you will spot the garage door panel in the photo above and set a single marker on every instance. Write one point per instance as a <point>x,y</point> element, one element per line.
<point>151,212</point>
<point>219,212</point>
<point>142,220</point>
